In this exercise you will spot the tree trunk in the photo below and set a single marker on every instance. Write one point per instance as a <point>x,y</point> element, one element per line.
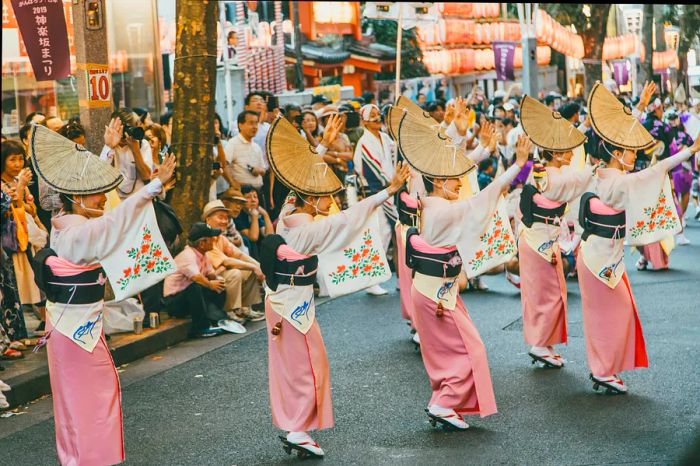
<point>593,39</point>
<point>646,71</point>
<point>194,90</point>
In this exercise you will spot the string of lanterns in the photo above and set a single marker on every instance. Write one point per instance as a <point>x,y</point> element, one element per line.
<point>623,46</point>
<point>460,31</point>
<point>456,61</point>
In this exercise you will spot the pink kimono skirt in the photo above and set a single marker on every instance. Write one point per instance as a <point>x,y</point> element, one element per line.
<point>543,297</point>
<point>299,377</point>
<point>405,275</point>
<point>454,357</point>
<point>86,403</point>
<point>613,333</point>
<point>655,254</point>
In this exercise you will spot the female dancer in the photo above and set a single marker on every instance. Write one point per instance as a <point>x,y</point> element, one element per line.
<point>84,381</point>
<point>624,204</point>
<point>543,285</point>
<point>451,348</point>
<point>299,377</point>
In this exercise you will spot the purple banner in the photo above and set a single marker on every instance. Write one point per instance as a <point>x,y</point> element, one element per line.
<point>504,55</point>
<point>43,28</point>
<point>620,72</point>
<point>663,77</point>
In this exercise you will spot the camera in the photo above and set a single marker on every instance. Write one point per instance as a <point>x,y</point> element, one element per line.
<point>216,165</point>
<point>135,132</point>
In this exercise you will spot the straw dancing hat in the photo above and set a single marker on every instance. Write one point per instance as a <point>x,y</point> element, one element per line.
<point>428,149</point>
<point>402,106</point>
<point>68,167</point>
<point>547,129</point>
<point>613,121</point>
<point>296,163</point>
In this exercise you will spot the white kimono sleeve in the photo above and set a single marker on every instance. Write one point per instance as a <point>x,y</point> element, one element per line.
<point>336,230</point>
<point>89,242</point>
<point>567,184</point>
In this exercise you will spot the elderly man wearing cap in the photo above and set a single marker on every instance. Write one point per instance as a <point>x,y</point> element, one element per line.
<point>195,289</point>
<point>374,162</point>
<point>241,273</point>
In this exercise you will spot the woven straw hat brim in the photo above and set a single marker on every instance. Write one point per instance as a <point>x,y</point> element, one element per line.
<point>429,150</point>
<point>296,163</point>
<point>68,167</point>
<point>402,106</point>
<point>613,121</point>
<point>547,129</point>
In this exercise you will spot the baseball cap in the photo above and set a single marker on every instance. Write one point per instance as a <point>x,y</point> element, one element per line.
<point>201,230</point>
<point>508,107</point>
<point>213,206</point>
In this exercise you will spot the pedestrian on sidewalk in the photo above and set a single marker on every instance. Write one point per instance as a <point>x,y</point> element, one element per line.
<point>195,290</point>
<point>452,350</point>
<point>84,381</point>
<point>636,206</point>
<point>299,378</point>
<point>543,205</point>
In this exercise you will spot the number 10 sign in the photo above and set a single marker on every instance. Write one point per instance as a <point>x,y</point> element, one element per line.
<point>99,85</point>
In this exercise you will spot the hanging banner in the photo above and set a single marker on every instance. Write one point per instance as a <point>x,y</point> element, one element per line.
<point>504,56</point>
<point>621,72</point>
<point>45,36</point>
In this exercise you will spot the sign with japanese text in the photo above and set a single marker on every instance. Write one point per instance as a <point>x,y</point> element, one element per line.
<point>42,25</point>
<point>504,56</point>
<point>98,85</point>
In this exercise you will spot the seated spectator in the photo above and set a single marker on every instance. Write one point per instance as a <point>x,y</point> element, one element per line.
<point>244,157</point>
<point>234,201</point>
<point>253,222</point>
<point>486,173</point>
<point>195,290</point>
<point>241,273</point>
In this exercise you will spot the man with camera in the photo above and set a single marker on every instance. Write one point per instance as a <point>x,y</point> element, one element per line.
<point>130,154</point>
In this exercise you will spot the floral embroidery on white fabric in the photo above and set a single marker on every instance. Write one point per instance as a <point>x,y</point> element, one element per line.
<point>497,241</point>
<point>365,261</point>
<point>658,217</point>
<point>148,258</point>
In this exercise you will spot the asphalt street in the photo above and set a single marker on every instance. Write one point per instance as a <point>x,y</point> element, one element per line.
<point>213,408</point>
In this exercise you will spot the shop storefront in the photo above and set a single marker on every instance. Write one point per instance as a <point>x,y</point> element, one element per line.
<point>134,60</point>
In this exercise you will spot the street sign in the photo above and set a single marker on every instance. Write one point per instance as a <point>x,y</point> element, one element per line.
<point>99,85</point>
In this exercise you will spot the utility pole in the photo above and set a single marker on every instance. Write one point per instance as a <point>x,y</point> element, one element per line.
<point>298,70</point>
<point>527,14</point>
<point>93,77</point>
